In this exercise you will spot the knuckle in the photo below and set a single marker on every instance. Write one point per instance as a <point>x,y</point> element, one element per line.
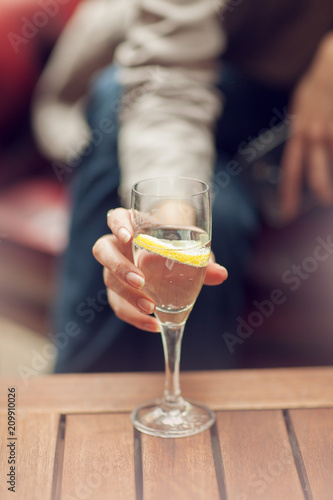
<point>118,268</point>
<point>117,216</point>
<point>117,309</point>
<point>119,301</point>
<point>120,311</point>
<point>98,247</point>
<point>130,297</point>
<point>116,212</point>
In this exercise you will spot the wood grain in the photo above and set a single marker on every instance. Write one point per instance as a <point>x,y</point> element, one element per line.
<point>179,469</point>
<point>35,450</point>
<point>272,440</point>
<point>98,459</point>
<point>258,461</point>
<point>314,433</point>
<point>119,392</point>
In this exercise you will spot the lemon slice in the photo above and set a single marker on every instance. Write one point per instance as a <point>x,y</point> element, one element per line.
<point>184,251</point>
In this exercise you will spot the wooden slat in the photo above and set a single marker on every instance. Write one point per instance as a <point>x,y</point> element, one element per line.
<point>35,451</point>
<point>257,457</point>
<point>240,389</point>
<point>314,433</point>
<point>179,469</point>
<point>99,458</point>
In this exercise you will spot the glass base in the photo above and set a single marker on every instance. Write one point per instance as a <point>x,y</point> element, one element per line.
<point>163,419</point>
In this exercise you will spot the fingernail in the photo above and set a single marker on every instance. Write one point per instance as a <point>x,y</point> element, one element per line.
<point>135,280</point>
<point>146,306</point>
<point>124,235</point>
<point>225,270</point>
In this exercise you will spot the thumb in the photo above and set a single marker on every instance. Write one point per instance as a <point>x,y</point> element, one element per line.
<point>215,274</point>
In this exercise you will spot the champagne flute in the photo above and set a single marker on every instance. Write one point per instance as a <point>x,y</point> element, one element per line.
<point>171,217</point>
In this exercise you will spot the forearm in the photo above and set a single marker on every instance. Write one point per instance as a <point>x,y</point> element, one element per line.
<point>170,104</point>
<point>85,46</point>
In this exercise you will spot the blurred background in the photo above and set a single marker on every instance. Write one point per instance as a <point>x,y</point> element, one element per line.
<point>34,205</point>
<point>34,215</point>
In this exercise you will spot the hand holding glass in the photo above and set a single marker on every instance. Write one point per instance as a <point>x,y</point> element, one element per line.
<point>171,245</point>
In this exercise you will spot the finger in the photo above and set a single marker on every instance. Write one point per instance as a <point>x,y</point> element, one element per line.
<point>292,170</point>
<point>128,313</point>
<point>318,172</point>
<point>137,298</point>
<point>110,253</point>
<point>215,274</point>
<point>119,221</point>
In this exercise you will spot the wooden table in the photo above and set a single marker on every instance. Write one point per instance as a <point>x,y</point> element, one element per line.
<point>273,438</point>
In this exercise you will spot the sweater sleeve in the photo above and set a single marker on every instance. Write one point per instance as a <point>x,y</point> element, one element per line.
<point>169,65</point>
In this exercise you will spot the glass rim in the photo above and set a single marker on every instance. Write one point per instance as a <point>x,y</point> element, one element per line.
<point>206,188</point>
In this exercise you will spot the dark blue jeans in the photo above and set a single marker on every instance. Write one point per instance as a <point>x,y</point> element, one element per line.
<point>89,336</point>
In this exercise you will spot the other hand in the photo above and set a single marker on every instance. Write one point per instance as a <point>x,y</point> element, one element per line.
<point>309,151</point>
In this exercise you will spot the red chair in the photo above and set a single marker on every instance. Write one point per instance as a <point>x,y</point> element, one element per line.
<point>34,207</point>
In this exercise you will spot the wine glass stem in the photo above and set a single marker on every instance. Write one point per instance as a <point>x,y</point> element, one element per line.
<point>172,339</point>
